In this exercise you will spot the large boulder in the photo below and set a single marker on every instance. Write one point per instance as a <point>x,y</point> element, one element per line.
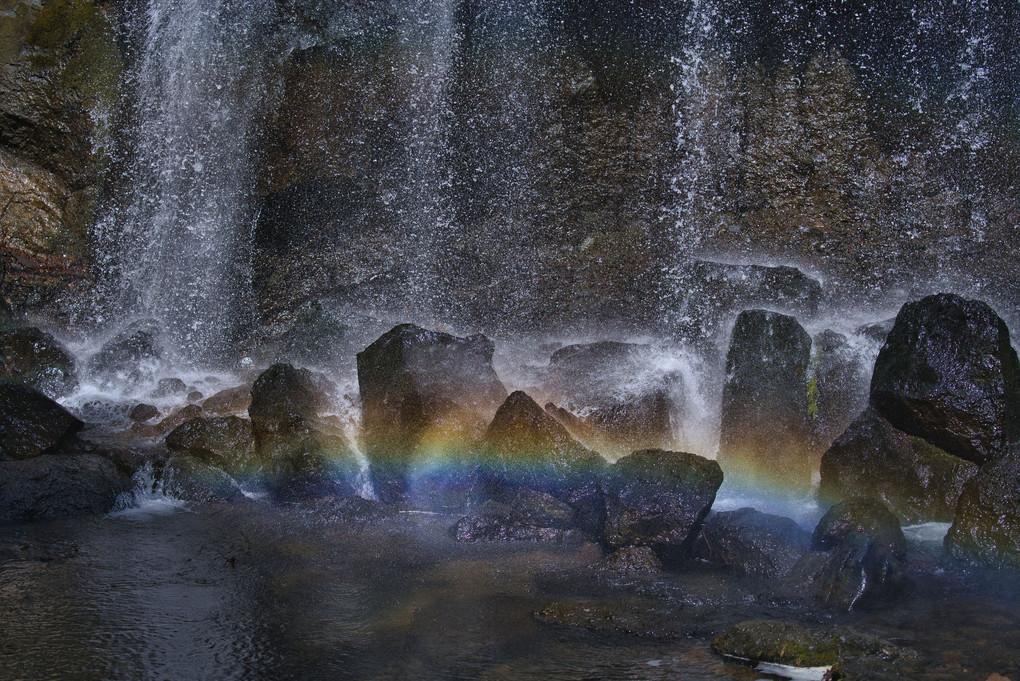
<point>658,498</point>
<point>227,442</point>
<point>188,478</point>
<point>986,529</point>
<point>59,485</point>
<point>838,386</point>
<point>753,543</point>
<point>947,373</point>
<point>130,357</point>
<point>765,437</point>
<point>32,424</point>
<point>919,481</point>
<point>34,357</point>
<point>284,398</point>
<point>424,395</point>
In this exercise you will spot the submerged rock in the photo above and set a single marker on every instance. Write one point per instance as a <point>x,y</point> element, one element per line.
<point>658,498</point>
<point>32,424</point>
<point>34,357</point>
<point>423,392</point>
<point>494,521</point>
<point>765,437</point>
<point>55,485</point>
<point>130,357</point>
<point>753,543</point>
<point>986,529</point>
<point>919,481</point>
<point>948,373</point>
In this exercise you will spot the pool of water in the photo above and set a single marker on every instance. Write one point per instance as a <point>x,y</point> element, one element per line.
<point>257,592</point>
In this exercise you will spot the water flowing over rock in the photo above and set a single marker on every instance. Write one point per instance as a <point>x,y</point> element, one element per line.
<point>34,357</point>
<point>765,436</point>
<point>659,498</point>
<point>986,529</point>
<point>919,481</point>
<point>130,357</point>
<point>948,374</point>
<point>424,394</point>
<point>753,543</point>
<point>188,478</point>
<point>32,424</point>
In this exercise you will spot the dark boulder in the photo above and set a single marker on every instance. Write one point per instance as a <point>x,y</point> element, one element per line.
<point>877,332</point>
<point>859,561</point>
<point>142,412</point>
<point>765,437</point>
<point>320,336</point>
<point>34,357</point>
<point>658,498</point>
<point>423,392</point>
<point>32,424</point>
<point>172,420</point>
<point>986,529</point>
<point>226,442</point>
<point>228,402</point>
<point>919,481</point>
<point>837,387</point>
<point>947,373</point>
<point>753,543</point>
<point>59,485</point>
<point>187,478</point>
<point>284,398</point>
<point>130,357</point>
<point>169,387</point>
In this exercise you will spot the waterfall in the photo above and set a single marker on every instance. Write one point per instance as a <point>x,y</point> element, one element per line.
<point>177,236</point>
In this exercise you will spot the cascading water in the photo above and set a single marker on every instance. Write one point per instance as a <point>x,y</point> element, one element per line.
<point>175,243</point>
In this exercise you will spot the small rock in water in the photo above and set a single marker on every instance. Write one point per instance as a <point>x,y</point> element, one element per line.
<point>753,543</point>
<point>168,387</point>
<point>228,402</point>
<point>143,412</point>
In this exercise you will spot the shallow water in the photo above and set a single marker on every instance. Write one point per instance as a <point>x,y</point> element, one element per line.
<point>257,592</point>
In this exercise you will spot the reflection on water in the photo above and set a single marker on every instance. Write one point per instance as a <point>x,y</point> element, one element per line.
<point>263,593</point>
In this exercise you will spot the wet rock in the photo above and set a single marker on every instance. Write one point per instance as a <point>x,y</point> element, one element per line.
<point>986,529</point>
<point>947,373</point>
<point>753,543</point>
<point>765,438</point>
<point>797,645</point>
<point>59,485</point>
<point>228,402</point>
<point>630,559</point>
<point>322,465</point>
<point>169,387</point>
<point>423,390</point>
<point>34,357</point>
<point>32,424</point>
<point>877,332</point>
<point>716,291</point>
<point>919,481</point>
<point>863,561</point>
<point>494,522</point>
<point>173,420</point>
<point>349,509</point>
<point>188,478</point>
<point>130,357</point>
<point>141,413</point>
<point>225,442</point>
<point>631,618</point>
<point>194,396</point>
<point>318,337</point>
<point>526,448</point>
<point>284,398</point>
<point>837,388</point>
<point>658,498</point>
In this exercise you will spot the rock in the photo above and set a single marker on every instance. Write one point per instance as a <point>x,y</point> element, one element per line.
<point>626,398</point>
<point>525,447</point>
<point>797,645</point>
<point>169,387</point>
<point>765,438</point>
<point>601,616</point>
<point>422,392</point>
<point>753,543</point>
<point>173,420</point>
<point>658,498</point>
<point>631,559</point>
<point>284,398</point>
<point>32,424</point>
<point>228,402</point>
<point>319,337</point>
<point>986,529</point>
<point>34,357</point>
<point>877,332</point>
<point>919,481</point>
<point>715,291</point>
<point>130,357</point>
<point>194,396</point>
<point>863,561</point>
<point>225,442</point>
<point>494,521</point>
<point>59,485</point>
<point>837,387</point>
<point>141,413</point>
<point>947,373</point>
<point>188,478</point>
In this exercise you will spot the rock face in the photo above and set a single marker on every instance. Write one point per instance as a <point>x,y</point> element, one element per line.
<point>948,374</point>
<point>765,437</point>
<point>32,424</point>
<point>34,357</point>
<point>59,485</point>
<point>838,387</point>
<point>422,393</point>
<point>226,442</point>
<point>986,529</point>
<point>858,560</point>
<point>658,498</point>
<point>753,543</point>
<point>919,481</point>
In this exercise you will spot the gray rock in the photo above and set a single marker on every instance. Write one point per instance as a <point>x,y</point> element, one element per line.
<point>32,424</point>
<point>753,543</point>
<point>130,357</point>
<point>59,485</point>
<point>34,357</point>
<point>226,442</point>
<point>986,529</point>
<point>188,478</point>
